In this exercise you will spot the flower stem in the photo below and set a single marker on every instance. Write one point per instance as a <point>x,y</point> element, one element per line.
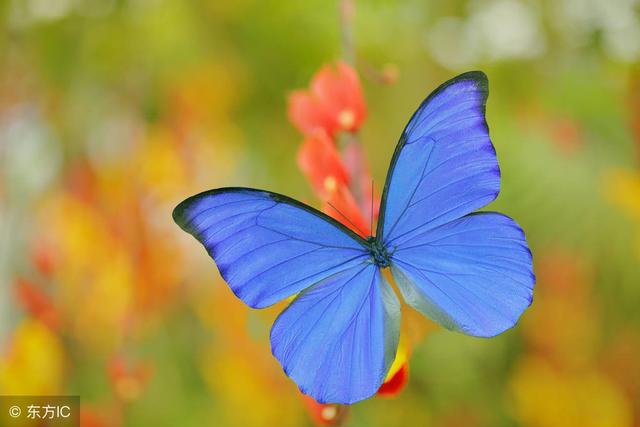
<point>347,9</point>
<point>351,147</point>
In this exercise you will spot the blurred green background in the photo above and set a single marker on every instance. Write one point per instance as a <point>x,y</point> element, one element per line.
<point>112,111</point>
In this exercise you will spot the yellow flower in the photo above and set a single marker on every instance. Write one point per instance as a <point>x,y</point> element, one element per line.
<point>545,397</point>
<point>161,169</point>
<point>402,354</point>
<point>33,363</point>
<point>95,273</point>
<point>622,188</point>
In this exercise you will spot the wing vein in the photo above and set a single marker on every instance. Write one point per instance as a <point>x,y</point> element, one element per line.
<point>441,107</point>
<point>320,272</point>
<point>422,175</point>
<point>308,241</point>
<point>449,184</point>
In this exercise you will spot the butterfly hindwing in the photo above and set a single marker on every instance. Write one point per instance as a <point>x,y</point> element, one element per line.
<point>267,246</point>
<point>337,339</point>
<point>472,273</point>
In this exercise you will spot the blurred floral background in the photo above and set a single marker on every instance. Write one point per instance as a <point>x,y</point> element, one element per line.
<point>113,111</point>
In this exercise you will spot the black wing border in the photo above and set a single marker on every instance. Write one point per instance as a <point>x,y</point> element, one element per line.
<point>179,216</point>
<point>483,85</point>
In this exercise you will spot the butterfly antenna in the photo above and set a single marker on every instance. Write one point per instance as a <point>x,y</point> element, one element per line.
<point>371,211</point>
<point>348,220</point>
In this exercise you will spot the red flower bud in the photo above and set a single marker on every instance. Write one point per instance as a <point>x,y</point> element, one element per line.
<point>334,102</point>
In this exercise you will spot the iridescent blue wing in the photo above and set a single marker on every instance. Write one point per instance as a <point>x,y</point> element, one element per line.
<point>472,274</point>
<point>338,338</point>
<point>444,168</point>
<point>267,246</point>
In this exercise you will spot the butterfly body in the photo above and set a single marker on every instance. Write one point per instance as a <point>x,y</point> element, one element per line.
<point>379,254</point>
<point>469,271</point>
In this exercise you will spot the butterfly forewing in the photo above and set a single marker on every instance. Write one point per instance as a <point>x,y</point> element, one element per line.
<point>266,246</point>
<point>445,165</point>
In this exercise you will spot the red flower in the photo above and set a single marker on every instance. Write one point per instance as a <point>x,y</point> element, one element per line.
<point>324,414</point>
<point>333,103</point>
<point>361,184</point>
<point>91,418</point>
<point>320,161</point>
<point>396,383</point>
<point>567,135</point>
<point>43,258</point>
<point>37,303</point>
<point>341,206</point>
<point>128,379</point>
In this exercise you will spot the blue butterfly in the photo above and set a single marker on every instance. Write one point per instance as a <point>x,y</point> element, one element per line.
<point>470,272</point>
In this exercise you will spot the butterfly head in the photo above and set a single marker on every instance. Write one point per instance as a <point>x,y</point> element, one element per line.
<point>379,254</point>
